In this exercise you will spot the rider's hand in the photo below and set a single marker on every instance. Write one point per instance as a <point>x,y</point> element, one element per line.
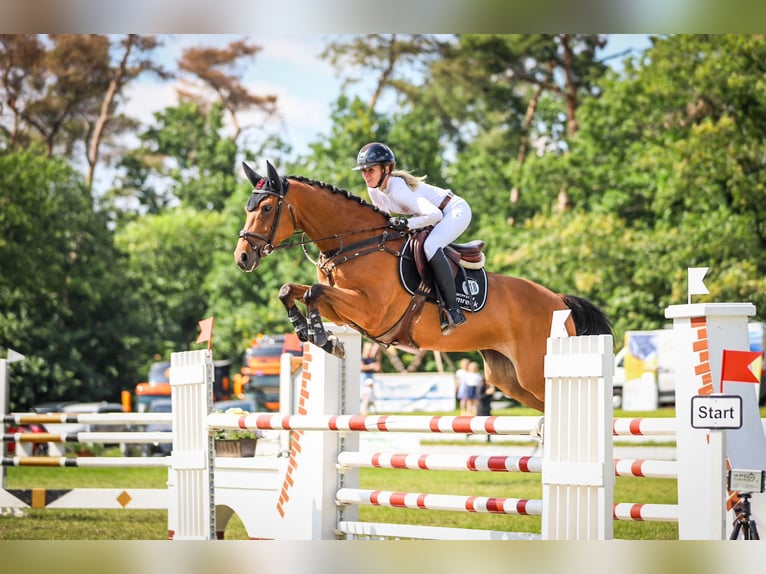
<point>398,223</point>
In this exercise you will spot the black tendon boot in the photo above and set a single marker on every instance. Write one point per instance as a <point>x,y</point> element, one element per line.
<point>446,282</point>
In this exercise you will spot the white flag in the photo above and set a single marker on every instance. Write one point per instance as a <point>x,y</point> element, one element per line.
<point>558,326</point>
<point>696,286</point>
<point>13,356</point>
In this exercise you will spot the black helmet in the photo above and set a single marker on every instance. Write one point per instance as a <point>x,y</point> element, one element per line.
<point>374,154</point>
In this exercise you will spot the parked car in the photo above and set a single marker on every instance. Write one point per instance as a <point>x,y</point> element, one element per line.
<point>39,448</point>
<point>158,448</point>
<point>51,407</point>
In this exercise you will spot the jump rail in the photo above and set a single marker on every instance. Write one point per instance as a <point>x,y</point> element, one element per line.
<point>577,467</point>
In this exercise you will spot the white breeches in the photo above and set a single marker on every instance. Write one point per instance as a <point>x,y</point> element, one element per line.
<point>457,217</point>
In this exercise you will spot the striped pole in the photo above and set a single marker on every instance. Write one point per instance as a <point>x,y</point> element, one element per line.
<point>646,468</point>
<point>441,462</point>
<point>644,427</point>
<point>487,463</point>
<point>481,504</point>
<point>87,461</point>
<point>88,418</point>
<point>426,424</point>
<point>641,512</point>
<point>90,437</point>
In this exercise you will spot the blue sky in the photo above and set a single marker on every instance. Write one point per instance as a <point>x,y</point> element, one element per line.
<point>289,67</point>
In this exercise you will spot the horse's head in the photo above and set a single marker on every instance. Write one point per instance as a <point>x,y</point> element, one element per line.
<point>264,227</point>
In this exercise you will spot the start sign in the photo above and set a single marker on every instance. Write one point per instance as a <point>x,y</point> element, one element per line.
<point>717,412</point>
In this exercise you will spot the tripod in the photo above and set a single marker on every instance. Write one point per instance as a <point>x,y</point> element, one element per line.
<point>742,520</point>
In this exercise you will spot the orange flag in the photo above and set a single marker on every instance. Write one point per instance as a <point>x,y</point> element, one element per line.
<point>206,332</point>
<point>736,366</point>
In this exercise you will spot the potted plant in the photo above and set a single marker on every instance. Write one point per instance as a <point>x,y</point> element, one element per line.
<point>236,442</point>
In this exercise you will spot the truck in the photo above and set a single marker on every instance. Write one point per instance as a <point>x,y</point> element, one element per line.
<point>647,357</point>
<point>157,385</point>
<point>259,376</point>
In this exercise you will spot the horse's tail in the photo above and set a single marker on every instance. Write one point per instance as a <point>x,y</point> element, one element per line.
<point>588,319</point>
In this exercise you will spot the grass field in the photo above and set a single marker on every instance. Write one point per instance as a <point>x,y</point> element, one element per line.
<point>62,524</point>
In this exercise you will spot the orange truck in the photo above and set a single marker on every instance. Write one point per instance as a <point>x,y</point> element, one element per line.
<point>259,376</point>
<point>157,386</point>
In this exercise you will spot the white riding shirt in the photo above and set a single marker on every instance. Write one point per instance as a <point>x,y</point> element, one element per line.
<point>423,205</point>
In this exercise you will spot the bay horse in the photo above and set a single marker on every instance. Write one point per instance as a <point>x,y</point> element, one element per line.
<point>359,286</point>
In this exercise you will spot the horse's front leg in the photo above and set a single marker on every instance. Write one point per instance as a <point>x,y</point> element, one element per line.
<point>329,299</point>
<point>287,295</point>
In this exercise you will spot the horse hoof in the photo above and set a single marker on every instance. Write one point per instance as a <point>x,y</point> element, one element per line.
<point>339,350</point>
<point>319,338</point>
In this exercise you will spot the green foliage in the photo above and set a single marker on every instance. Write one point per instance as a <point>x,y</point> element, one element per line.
<point>61,285</point>
<point>170,256</point>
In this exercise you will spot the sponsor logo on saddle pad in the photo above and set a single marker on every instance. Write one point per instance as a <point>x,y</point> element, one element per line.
<point>470,284</point>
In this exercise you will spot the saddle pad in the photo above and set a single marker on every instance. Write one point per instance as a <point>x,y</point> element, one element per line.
<point>470,284</point>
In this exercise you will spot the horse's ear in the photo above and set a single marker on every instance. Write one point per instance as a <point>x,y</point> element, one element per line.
<point>274,182</point>
<point>252,176</point>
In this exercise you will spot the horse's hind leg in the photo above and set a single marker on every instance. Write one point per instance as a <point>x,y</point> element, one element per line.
<point>500,372</point>
<point>287,295</point>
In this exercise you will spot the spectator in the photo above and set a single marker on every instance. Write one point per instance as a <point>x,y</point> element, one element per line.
<point>486,393</point>
<point>473,381</point>
<point>460,385</point>
<point>371,361</point>
<point>368,398</point>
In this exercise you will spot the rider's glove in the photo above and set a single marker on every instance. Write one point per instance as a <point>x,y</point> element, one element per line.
<point>398,223</point>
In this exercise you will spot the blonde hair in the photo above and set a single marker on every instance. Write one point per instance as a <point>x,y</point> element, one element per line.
<point>411,181</point>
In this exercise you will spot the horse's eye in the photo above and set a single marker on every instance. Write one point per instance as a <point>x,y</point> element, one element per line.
<point>267,208</point>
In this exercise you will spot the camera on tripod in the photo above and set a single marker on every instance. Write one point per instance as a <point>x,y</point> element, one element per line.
<point>745,483</point>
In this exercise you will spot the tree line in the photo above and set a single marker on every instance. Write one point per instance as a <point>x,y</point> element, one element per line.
<point>604,181</point>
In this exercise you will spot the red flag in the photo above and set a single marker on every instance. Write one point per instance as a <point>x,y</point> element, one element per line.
<point>206,332</point>
<point>736,366</point>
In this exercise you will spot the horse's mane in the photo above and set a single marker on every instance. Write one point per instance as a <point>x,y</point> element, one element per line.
<point>347,194</point>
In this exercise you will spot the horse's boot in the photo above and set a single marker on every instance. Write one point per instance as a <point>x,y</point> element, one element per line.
<point>446,282</point>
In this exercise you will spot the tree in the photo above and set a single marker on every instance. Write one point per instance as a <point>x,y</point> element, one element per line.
<point>216,70</point>
<point>61,283</point>
<point>65,92</point>
<point>391,56</point>
<point>169,255</point>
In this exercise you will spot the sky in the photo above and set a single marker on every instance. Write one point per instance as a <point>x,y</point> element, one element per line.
<point>290,68</point>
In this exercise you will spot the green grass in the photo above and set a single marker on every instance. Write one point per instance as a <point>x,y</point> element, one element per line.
<point>66,524</point>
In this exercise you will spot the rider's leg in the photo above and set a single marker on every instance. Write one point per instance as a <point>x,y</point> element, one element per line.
<point>446,282</point>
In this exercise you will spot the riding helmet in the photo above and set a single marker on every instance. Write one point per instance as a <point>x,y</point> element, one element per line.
<point>374,154</point>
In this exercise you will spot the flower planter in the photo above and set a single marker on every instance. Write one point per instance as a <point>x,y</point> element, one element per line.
<point>235,448</point>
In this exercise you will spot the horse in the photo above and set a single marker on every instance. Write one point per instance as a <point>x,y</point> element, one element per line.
<point>359,285</point>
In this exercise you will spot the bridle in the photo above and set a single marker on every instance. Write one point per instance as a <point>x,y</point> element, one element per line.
<point>268,247</point>
<point>329,261</point>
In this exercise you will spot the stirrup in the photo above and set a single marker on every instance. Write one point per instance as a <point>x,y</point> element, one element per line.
<point>451,318</point>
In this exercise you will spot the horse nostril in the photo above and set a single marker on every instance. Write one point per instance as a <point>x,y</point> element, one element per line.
<point>243,257</point>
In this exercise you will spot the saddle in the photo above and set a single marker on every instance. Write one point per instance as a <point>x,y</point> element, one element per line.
<point>467,262</point>
<point>466,255</point>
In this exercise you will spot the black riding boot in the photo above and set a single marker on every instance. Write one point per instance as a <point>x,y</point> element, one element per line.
<point>446,282</point>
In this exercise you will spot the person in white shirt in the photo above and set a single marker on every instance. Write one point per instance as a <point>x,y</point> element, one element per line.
<point>473,381</point>
<point>402,193</point>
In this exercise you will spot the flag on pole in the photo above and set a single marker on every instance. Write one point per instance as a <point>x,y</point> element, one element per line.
<point>736,366</point>
<point>696,286</point>
<point>14,356</point>
<point>206,332</point>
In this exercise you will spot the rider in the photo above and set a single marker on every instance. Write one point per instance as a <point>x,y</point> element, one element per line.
<point>400,192</point>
